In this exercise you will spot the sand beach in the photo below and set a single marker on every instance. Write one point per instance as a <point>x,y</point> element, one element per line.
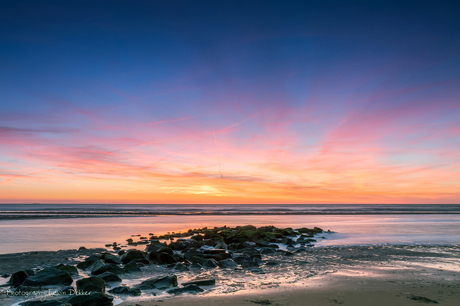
<point>248,273</point>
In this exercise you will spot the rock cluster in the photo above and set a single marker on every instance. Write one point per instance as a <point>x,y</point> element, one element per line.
<point>241,247</point>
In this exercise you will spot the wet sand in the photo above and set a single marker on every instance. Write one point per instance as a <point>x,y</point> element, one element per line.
<point>377,286</point>
<point>349,275</point>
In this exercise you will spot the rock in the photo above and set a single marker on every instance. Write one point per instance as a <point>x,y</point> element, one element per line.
<point>131,267</point>
<point>228,263</point>
<point>197,237</point>
<point>201,282</point>
<point>27,289</point>
<point>257,270</point>
<point>178,257</point>
<point>186,289</point>
<point>154,246</point>
<point>17,278</point>
<point>49,276</point>
<point>165,249</point>
<point>85,264</point>
<point>266,251</point>
<point>30,272</point>
<point>248,264</point>
<point>213,251</point>
<point>144,261</point>
<point>131,255</point>
<point>126,290</point>
<point>180,267</point>
<point>93,299</point>
<point>5,275</point>
<point>70,269</point>
<point>196,266</point>
<point>163,282</point>
<point>198,259</point>
<point>234,247</point>
<point>178,246</point>
<point>109,277</point>
<point>313,231</point>
<point>191,253</point>
<point>91,284</point>
<point>287,241</point>
<point>210,263</point>
<point>271,263</point>
<point>95,265</point>
<point>42,303</point>
<point>107,268</point>
<point>81,248</point>
<point>110,258</point>
<point>162,258</point>
<point>239,258</point>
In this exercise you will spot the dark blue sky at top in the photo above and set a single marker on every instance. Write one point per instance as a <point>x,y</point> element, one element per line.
<point>62,48</point>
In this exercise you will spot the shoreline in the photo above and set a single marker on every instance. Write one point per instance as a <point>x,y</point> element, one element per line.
<point>333,289</point>
<point>242,265</point>
<point>377,275</point>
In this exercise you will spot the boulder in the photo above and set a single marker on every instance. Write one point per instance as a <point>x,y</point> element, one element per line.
<point>70,269</point>
<point>85,264</point>
<point>162,258</point>
<point>91,284</point>
<point>196,266</point>
<point>234,247</point>
<point>109,277</point>
<point>186,289</point>
<point>239,258</point>
<point>131,267</point>
<point>210,263</point>
<point>228,264</point>
<point>191,253</point>
<point>213,251</point>
<point>154,246</point>
<point>180,267</point>
<point>248,264</point>
<point>27,289</point>
<point>266,251</point>
<point>201,282</point>
<point>30,272</point>
<point>49,276</point>
<point>163,282</point>
<point>93,299</point>
<point>95,265</point>
<point>178,257</point>
<point>107,268</point>
<point>166,250</point>
<point>43,303</point>
<point>132,255</point>
<point>17,278</point>
<point>126,290</point>
<point>110,258</point>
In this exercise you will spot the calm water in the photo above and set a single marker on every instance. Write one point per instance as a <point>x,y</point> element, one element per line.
<point>55,234</point>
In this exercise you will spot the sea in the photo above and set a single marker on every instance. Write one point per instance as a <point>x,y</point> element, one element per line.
<point>52,227</point>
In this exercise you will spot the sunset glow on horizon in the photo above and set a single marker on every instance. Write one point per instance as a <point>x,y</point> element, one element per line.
<point>238,102</point>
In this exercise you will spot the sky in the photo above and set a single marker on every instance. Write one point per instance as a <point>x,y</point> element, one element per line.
<point>229,102</point>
